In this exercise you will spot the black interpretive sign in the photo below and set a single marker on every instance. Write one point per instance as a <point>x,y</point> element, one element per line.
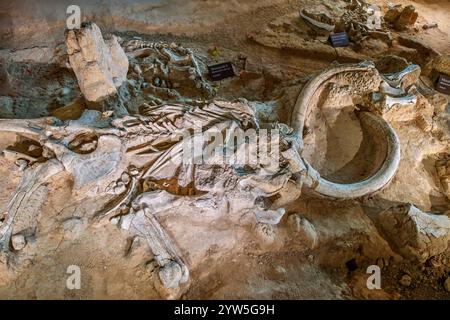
<point>443,84</point>
<point>221,71</point>
<point>339,39</point>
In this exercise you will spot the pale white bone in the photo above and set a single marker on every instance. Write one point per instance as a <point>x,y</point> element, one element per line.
<point>307,100</point>
<point>144,223</point>
<point>398,79</point>
<point>318,24</point>
<point>34,178</point>
<point>270,216</point>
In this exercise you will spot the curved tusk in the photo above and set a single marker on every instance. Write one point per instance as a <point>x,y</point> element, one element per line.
<point>381,178</point>
<point>311,92</point>
<point>379,128</point>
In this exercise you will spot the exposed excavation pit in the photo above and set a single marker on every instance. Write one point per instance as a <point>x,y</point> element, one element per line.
<point>324,163</point>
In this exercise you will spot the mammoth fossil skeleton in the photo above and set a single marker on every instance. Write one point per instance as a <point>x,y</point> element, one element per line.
<point>130,161</point>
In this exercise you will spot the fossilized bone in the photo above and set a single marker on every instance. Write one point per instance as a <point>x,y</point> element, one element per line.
<point>142,221</point>
<point>123,156</point>
<point>386,103</point>
<point>397,90</point>
<point>417,235</point>
<point>404,78</point>
<point>168,61</point>
<point>310,94</point>
<point>106,156</point>
<point>22,205</point>
<point>309,98</point>
<point>317,20</point>
<point>378,128</point>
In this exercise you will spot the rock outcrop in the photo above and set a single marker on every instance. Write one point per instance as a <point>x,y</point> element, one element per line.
<point>100,65</point>
<point>401,18</point>
<point>416,235</point>
<point>7,86</point>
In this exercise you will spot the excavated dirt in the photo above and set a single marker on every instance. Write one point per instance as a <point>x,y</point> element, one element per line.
<point>229,257</point>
